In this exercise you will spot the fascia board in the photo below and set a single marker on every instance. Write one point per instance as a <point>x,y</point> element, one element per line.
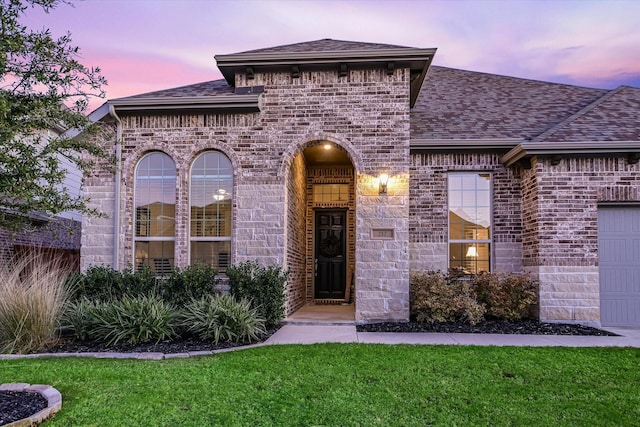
<point>527,149</point>
<point>185,102</point>
<point>328,57</point>
<point>464,144</point>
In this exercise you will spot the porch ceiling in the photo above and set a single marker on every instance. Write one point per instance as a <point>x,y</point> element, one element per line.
<point>318,155</point>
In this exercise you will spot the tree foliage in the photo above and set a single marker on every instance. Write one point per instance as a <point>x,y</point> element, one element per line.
<point>44,90</point>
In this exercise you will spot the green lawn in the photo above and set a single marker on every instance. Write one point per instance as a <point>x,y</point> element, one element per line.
<point>347,385</point>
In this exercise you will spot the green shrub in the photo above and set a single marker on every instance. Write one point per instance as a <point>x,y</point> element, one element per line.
<point>221,318</point>
<point>80,317</point>
<point>504,295</point>
<point>436,297</point>
<point>103,283</point>
<point>32,299</point>
<point>192,282</point>
<point>128,320</point>
<point>263,286</point>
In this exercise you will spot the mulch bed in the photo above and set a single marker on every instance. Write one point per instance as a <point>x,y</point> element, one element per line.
<point>530,327</point>
<point>182,345</point>
<point>17,405</point>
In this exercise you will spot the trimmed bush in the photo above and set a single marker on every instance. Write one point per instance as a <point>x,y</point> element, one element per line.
<point>263,286</point>
<point>129,320</point>
<point>506,296</point>
<point>193,282</point>
<point>436,297</point>
<point>32,299</point>
<point>221,318</point>
<point>103,283</point>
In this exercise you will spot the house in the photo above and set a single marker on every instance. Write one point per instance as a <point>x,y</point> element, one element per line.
<point>50,236</point>
<point>353,164</point>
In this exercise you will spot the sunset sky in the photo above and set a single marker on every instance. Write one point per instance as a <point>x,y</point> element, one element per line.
<point>146,45</point>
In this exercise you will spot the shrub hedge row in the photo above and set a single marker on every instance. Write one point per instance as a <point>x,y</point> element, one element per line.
<point>449,297</point>
<point>137,306</point>
<point>118,307</point>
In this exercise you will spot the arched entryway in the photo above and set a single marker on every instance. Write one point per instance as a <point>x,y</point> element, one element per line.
<point>321,224</point>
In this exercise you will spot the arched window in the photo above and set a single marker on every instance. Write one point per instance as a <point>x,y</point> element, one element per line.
<point>155,211</point>
<point>210,209</point>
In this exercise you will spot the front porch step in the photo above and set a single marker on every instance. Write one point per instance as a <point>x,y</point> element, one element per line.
<point>318,315</point>
<point>288,321</point>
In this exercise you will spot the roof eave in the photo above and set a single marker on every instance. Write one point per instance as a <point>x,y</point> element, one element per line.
<point>530,149</point>
<point>418,60</point>
<point>325,57</point>
<point>477,144</point>
<point>244,103</point>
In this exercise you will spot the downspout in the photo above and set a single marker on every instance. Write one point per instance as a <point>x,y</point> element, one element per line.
<point>118,177</point>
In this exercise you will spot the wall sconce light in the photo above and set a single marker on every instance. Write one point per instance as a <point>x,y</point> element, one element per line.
<point>384,180</point>
<point>472,252</point>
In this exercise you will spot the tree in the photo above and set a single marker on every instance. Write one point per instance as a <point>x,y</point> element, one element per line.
<point>43,86</point>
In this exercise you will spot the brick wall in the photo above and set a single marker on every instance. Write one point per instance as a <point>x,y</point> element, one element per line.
<point>296,236</point>
<point>566,229</point>
<point>366,113</point>
<point>59,234</point>
<point>428,213</point>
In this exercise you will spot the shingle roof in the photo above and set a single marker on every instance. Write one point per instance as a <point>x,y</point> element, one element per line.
<point>210,88</point>
<point>458,104</point>
<point>613,117</point>
<point>324,45</point>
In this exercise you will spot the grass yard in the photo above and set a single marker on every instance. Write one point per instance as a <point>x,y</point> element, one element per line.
<point>347,385</point>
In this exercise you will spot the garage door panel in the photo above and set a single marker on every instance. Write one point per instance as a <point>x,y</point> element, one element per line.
<point>620,312</point>
<point>619,261</point>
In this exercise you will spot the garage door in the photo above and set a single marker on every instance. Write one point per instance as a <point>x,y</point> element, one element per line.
<point>619,252</point>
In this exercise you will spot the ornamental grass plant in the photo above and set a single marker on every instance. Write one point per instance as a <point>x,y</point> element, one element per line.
<point>32,299</point>
<point>218,318</point>
<point>128,320</point>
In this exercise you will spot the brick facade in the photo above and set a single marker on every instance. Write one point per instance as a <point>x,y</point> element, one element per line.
<point>544,198</point>
<point>561,229</point>
<point>366,113</point>
<point>429,213</point>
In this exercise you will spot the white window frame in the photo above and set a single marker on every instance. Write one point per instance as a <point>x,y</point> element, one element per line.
<point>229,238</point>
<point>148,238</point>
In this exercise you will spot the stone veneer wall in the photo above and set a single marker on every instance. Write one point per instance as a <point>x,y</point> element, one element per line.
<point>565,234</point>
<point>365,112</point>
<point>98,232</point>
<point>296,237</point>
<point>429,215</point>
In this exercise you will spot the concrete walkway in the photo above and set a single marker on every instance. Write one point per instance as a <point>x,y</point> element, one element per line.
<point>340,333</point>
<point>310,334</point>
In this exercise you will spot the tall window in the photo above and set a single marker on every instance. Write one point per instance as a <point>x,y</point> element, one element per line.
<point>210,209</point>
<point>470,222</point>
<point>155,198</point>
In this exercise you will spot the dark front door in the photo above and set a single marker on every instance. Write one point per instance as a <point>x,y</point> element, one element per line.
<point>331,254</point>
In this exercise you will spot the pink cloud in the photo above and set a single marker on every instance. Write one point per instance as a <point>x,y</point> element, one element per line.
<point>132,74</point>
